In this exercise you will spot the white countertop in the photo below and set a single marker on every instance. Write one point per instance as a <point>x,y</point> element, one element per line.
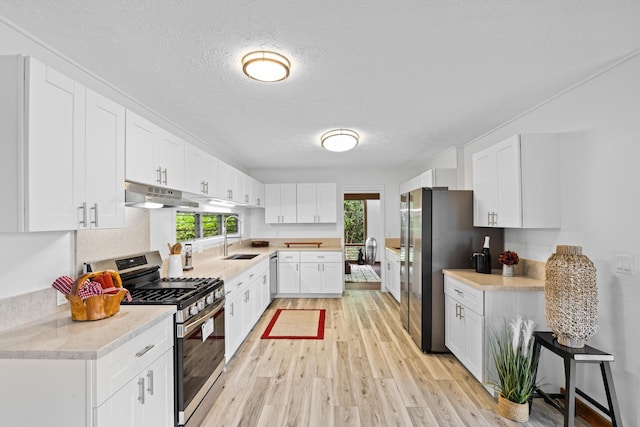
<point>205,265</point>
<point>58,337</point>
<point>495,281</point>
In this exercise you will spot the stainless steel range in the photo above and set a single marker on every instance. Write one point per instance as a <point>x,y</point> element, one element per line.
<point>199,322</point>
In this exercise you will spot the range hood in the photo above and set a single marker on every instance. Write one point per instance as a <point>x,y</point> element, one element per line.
<point>153,197</point>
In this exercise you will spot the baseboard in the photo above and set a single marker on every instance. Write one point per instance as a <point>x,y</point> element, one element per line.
<point>589,414</point>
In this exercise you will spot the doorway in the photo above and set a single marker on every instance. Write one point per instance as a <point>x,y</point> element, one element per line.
<point>362,214</point>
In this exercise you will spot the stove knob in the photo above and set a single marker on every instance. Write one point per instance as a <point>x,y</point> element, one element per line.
<point>193,310</point>
<point>200,305</point>
<point>208,299</point>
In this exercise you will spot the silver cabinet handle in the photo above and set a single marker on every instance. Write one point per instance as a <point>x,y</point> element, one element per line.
<point>150,382</point>
<point>318,267</point>
<point>461,312</point>
<point>84,214</point>
<point>95,215</point>
<point>488,218</point>
<point>231,306</point>
<point>166,175</point>
<point>145,350</point>
<point>207,187</point>
<point>159,172</point>
<point>459,292</point>
<point>141,390</point>
<point>495,218</point>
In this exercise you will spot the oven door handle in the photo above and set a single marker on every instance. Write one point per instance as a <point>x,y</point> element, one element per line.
<point>184,329</point>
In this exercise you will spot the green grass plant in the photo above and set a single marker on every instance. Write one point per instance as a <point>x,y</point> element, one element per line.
<point>516,366</point>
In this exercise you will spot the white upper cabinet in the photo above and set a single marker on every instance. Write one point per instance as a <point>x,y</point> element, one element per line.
<point>228,183</point>
<point>257,193</point>
<point>57,137</point>
<point>200,172</point>
<point>100,194</point>
<point>317,203</point>
<point>515,183</point>
<point>432,178</point>
<point>280,203</point>
<point>154,156</point>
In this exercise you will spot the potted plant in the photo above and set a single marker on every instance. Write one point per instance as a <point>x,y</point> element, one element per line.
<point>516,367</point>
<point>508,260</point>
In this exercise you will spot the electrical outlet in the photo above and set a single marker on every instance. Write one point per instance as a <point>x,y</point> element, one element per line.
<point>60,299</point>
<point>624,264</point>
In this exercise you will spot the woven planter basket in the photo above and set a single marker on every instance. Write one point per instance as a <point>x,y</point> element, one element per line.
<point>571,296</point>
<point>512,410</point>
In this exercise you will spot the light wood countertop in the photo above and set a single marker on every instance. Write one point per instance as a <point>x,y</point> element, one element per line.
<point>495,281</point>
<point>58,337</point>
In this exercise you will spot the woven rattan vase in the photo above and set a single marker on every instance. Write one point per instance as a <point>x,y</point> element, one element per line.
<point>513,411</point>
<point>571,296</point>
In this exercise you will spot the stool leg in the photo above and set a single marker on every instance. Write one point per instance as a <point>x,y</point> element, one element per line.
<point>570,392</point>
<point>612,399</point>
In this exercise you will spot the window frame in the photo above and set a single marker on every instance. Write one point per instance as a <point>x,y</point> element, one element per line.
<point>198,230</point>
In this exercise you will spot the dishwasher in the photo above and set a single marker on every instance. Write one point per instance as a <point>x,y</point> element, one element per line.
<point>273,273</point>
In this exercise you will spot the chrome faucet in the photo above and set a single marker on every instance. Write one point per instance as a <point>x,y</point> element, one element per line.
<point>224,233</point>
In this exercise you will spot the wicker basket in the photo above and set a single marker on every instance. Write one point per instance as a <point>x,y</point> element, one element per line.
<point>514,411</point>
<point>98,306</point>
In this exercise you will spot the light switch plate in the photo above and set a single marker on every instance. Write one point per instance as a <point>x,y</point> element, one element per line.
<point>60,299</point>
<point>624,264</point>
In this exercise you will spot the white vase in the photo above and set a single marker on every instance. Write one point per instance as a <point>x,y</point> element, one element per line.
<point>507,270</point>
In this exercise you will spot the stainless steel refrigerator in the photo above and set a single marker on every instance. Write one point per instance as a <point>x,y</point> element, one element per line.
<point>436,232</point>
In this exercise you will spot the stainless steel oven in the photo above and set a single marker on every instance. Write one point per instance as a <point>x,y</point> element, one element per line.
<point>199,358</point>
<point>199,322</point>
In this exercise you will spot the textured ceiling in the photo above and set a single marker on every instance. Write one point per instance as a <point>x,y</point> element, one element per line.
<point>413,77</point>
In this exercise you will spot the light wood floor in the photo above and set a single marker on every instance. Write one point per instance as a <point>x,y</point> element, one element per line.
<point>366,372</point>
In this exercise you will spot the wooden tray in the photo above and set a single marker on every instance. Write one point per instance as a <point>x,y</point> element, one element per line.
<point>317,244</point>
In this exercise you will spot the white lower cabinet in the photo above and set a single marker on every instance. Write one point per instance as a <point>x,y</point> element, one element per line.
<point>146,400</point>
<point>310,273</point>
<point>248,295</point>
<point>392,273</point>
<point>131,386</point>
<point>464,324</point>
<point>471,314</point>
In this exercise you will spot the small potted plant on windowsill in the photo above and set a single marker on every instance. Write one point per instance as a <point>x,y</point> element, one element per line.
<point>516,367</point>
<point>508,259</point>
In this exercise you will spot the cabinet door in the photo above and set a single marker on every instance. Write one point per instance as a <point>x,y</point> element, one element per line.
<point>169,155</point>
<point>306,203</point>
<point>484,188</point>
<point>288,211</point>
<point>288,278</point>
<point>453,328</point>
<point>258,193</point>
<point>140,137</point>
<point>265,292</point>
<point>124,408</point>
<point>233,324</point>
<point>473,325</point>
<point>248,308</point>
<point>332,280</point>
<point>55,124</point>
<point>326,203</point>
<point>310,278</point>
<point>194,181</point>
<point>104,162</point>
<point>272,203</point>
<point>508,182</point>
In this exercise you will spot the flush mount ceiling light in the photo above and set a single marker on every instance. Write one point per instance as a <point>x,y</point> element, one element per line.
<point>340,140</point>
<point>266,66</point>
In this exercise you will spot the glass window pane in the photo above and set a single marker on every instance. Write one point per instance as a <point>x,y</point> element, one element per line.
<point>210,224</point>
<point>185,226</point>
<point>231,223</point>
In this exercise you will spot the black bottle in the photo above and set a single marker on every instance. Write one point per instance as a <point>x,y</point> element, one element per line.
<point>483,258</point>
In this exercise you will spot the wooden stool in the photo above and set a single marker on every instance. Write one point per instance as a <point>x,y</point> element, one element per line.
<point>572,356</point>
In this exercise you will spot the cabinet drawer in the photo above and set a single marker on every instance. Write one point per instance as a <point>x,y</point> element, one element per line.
<point>467,295</point>
<point>118,367</point>
<point>319,256</point>
<point>288,256</point>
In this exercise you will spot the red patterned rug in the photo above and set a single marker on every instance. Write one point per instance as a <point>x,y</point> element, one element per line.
<point>296,324</point>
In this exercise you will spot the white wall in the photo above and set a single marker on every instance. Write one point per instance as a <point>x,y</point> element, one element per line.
<point>600,157</point>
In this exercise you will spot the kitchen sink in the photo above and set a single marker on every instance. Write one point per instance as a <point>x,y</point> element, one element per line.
<point>242,256</point>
